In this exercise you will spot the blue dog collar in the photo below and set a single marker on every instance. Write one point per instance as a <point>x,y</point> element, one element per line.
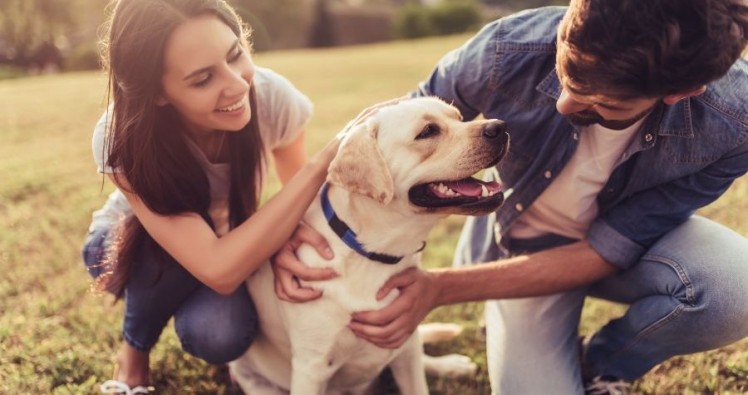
<point>349,236</point>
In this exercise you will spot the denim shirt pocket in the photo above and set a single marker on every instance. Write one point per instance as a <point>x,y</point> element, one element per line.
<point>513,166</point>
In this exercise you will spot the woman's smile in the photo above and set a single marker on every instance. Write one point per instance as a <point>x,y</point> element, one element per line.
<point>236,107</point>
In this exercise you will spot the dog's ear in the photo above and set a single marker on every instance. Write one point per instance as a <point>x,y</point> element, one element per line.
<point>359,166</point>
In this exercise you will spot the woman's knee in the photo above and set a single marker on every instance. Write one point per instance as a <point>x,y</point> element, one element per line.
<point>219,329</point>
<point>217,343</point>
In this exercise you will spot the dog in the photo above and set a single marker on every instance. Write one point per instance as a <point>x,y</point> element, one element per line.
<point>395,175</point>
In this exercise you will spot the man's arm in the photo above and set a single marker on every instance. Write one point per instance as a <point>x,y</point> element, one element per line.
<point>546,272</point>
<point>542,273</point>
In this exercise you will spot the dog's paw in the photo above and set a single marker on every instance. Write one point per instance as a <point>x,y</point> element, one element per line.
<point>435,332</point>
<point>451,365</point>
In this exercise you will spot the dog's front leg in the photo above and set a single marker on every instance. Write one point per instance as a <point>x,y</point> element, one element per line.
<point>407,368</point>
<point>309,376</point>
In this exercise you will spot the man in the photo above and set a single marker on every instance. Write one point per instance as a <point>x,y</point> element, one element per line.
<point>625,117</point>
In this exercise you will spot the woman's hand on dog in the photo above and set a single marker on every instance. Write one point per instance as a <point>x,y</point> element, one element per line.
<point>288,269</point>
<point>365,114</point>
<point>392,325</point>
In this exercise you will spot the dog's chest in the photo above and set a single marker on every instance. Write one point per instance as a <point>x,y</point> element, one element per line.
<point>359,279</point>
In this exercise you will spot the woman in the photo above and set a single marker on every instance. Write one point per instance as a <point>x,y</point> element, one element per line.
<point>186,142</point>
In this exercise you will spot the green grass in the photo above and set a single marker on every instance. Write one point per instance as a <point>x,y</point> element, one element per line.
<point>56,336</point>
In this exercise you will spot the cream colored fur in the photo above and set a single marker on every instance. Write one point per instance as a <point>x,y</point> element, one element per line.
<point>306,348</point>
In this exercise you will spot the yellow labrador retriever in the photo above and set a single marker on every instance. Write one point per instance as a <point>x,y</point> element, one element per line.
<point>395,175</point>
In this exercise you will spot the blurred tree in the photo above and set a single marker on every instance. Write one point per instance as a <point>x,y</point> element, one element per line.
<point>412,22</point>
<point>18,35</point>
<point>455,16</point>
<point>322,31</point>
<point>447,17</point>
<point>34,33</point>
<point>43,34</point>
<point>523,4</point>
<point>277,23</point>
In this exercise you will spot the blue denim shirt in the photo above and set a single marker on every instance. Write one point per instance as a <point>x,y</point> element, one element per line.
<point>684,157</point>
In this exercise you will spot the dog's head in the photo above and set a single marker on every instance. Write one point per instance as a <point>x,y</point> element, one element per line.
<point>419,152</point>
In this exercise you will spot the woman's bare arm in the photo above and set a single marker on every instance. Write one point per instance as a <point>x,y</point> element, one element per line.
<point>224,263</point>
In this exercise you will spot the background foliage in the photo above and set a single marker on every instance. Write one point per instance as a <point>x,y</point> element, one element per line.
<point>449,17</point>
<point>44,36</point>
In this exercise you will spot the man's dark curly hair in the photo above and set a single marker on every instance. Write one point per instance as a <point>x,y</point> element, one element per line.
<point>649,48</point>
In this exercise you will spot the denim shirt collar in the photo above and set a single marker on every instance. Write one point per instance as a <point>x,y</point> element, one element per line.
<point>674,120</point>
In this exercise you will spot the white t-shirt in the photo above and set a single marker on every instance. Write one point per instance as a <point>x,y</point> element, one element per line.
<point>569,205</point>
<point>282,113</point>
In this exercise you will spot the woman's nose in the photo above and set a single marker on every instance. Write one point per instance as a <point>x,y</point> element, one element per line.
<point>237,83</point>
<point>566,105</point>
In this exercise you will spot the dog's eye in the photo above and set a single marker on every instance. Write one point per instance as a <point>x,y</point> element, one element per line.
<point>428,131</point>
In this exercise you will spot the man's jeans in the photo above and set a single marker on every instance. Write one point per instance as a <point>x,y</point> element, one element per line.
<point>685,295</point>
<point>217,328</point>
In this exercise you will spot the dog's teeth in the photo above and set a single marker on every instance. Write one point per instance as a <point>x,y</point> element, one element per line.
<point>444,190</point>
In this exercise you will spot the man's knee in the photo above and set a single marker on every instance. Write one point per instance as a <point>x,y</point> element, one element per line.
<point>712,262</point>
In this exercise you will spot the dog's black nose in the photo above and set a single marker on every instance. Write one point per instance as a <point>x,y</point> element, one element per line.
<point>496,130</point>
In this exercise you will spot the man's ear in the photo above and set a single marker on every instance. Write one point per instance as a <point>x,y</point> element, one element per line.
<point>359,166</point>
<point>676,97</point>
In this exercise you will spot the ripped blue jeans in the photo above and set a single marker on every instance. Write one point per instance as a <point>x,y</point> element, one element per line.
<point>216,328</point>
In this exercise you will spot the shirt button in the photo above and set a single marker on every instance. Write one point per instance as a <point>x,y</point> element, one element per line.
<point>518,206</point>
<point>648,137</point>
<point>575,136</point>
<point>547,174</point>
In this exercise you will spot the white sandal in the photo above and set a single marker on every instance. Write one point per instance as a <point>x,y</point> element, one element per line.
<point>118,387</point>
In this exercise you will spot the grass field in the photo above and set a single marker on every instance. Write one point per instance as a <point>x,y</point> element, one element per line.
<point>56,336</point>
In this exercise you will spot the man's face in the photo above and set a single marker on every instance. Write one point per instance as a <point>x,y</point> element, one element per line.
<point>609,113</point>
<point>584,109</point>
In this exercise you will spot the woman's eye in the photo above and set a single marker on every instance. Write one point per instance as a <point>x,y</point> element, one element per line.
<point>202,82</point>
<point>428,131</point>
<point>237,55</point>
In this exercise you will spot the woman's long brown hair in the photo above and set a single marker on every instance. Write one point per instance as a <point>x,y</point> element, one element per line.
<point>147,143</point>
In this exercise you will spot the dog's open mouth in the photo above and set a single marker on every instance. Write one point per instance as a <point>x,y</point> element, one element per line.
<point>465,193</point>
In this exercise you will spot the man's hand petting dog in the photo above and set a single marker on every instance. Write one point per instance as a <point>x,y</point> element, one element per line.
<point>391,326</point>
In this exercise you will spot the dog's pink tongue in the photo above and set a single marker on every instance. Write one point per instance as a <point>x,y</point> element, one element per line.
<point>472,187</point>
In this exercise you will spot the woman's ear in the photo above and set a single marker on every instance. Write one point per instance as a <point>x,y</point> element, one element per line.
<point>676,97</point>
<point>161,100</point>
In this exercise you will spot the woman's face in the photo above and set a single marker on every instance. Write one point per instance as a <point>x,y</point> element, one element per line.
<point>207,75</point>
